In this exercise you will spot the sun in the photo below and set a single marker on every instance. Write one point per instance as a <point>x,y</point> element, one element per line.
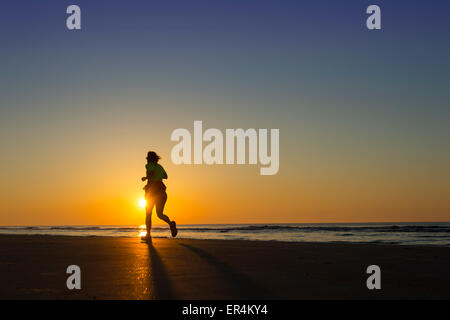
<point>142,203</point>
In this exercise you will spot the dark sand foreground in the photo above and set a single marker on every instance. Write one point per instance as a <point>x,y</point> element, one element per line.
<point>34,267</point>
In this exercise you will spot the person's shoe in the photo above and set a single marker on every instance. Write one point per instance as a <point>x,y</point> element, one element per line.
<point>173,228</point>
<point>147,239</point>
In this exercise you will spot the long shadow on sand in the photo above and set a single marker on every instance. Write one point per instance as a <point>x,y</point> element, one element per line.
<point>161,285</point>
<point>243,286</point>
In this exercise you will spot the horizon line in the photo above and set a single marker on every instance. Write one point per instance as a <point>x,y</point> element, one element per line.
<point>197,224</point>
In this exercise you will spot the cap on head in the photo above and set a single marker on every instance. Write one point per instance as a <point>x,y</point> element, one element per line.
<point>152,157</point>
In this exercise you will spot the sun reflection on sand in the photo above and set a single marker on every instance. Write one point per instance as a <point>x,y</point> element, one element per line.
<point>142,231</point>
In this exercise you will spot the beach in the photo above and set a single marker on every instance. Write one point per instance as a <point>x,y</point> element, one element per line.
<point>34,267</point>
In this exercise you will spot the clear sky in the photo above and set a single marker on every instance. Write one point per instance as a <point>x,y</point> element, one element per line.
<point>364,116</point>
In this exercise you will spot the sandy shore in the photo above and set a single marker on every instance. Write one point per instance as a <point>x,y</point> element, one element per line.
<point>33,267</point>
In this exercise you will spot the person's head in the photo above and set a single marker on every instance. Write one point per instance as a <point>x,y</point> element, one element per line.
<point>153,157</point>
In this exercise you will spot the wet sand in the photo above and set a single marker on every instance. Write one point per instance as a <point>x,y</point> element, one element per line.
<point>34,267</point>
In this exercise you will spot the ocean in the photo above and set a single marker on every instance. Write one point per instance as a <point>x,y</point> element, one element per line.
<point>384,233</point>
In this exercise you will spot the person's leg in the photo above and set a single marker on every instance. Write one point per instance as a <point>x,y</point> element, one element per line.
<point>148,214</point>
<point>160,202</point>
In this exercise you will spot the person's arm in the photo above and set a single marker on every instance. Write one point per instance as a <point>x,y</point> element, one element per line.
<point>149,175</point>
<point>165,174</point>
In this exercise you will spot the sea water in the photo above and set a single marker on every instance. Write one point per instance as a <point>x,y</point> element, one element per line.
<point>385,233</point>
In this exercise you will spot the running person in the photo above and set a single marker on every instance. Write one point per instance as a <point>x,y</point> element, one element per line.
<point>155,194</point>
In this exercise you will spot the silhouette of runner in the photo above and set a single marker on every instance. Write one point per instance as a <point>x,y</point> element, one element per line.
<point>155,194</point>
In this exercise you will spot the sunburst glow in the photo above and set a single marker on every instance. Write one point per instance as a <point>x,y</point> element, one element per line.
<point>142,203</point>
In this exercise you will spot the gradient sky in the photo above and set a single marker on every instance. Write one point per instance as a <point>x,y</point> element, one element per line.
<point>364,116</point>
